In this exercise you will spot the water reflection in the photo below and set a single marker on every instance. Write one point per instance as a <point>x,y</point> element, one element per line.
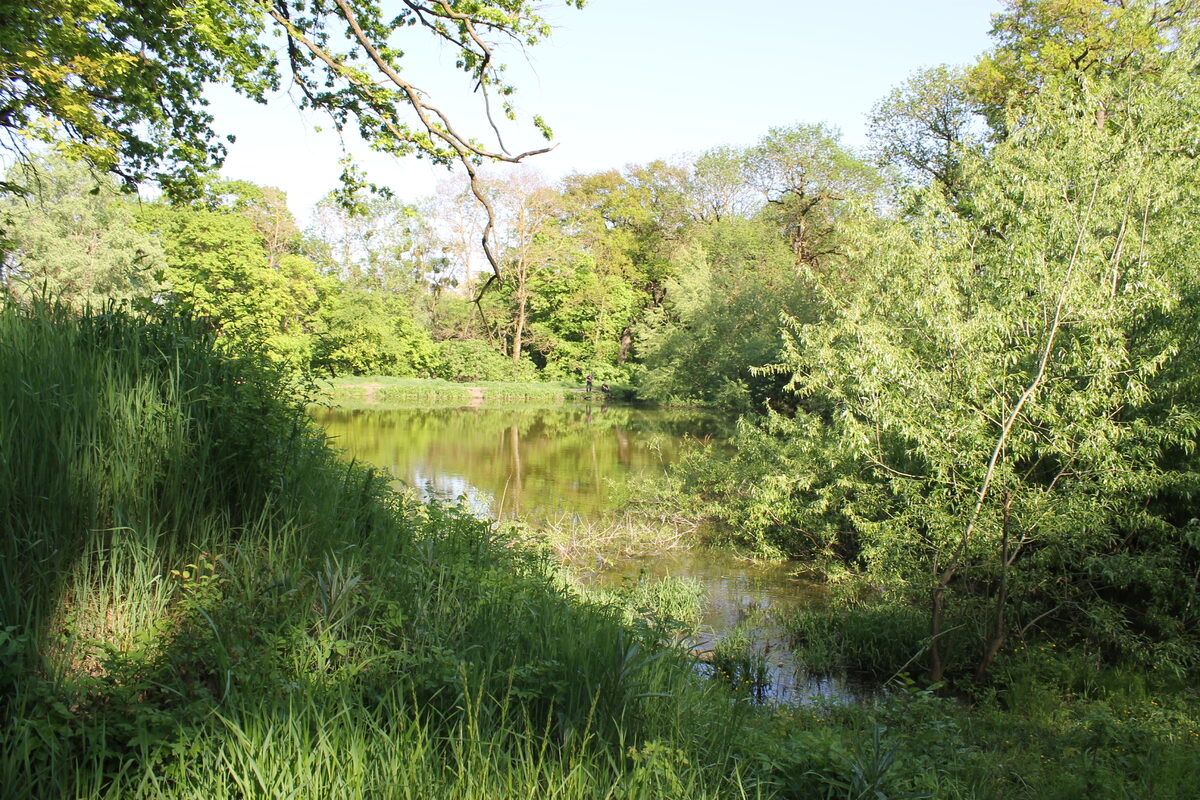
<point>753,596</point>
<point>541,463</point>
<point>531,462</point>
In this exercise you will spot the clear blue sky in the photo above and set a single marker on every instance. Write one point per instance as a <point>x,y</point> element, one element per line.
<point>628,81</point>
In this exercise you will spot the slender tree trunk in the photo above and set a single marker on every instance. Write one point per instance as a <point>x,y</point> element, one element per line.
<point>999,629</point>
<point>519,329</point>
<point>938,609</point>
<point>937,616</point>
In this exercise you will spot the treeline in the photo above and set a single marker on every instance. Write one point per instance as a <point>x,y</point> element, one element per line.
<point>669,277</point>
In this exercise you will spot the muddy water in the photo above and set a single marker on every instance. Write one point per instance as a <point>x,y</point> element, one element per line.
<point>538,463</point>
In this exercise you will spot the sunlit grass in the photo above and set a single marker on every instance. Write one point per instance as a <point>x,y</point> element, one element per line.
<point>388,391</point>
<point>199,599</point>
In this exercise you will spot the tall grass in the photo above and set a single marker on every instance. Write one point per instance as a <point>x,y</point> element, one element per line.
<point>199,599</point>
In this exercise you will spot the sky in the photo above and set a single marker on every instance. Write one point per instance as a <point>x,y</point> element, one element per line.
<point>629,81</point>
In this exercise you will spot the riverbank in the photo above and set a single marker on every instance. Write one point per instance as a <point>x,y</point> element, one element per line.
<point>199,599</point>
<point>360,391</point>
<point>1039,710</point>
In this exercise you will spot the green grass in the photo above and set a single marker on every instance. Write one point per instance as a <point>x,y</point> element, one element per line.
<point>1053,722</point>
<point>199,599</point>
<point>383,390</point>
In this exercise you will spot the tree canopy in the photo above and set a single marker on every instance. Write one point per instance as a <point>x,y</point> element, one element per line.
<point>120,83</point>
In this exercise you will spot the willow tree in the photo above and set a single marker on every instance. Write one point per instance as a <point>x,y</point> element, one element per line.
<point>1013,394</point>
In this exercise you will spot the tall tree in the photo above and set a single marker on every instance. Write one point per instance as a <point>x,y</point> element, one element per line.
<point>218,268</point>
<point>1041,42</point>
<point>377,243</point>
<point>267,209</point>
<point>719,186</point>
<point>1011,388</point>
<point>526,209</point>
<point>808,179</point>
<point>925,125</point>
<point>721,318</point>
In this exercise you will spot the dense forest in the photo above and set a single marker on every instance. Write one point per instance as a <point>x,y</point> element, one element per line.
<point>964,359</point>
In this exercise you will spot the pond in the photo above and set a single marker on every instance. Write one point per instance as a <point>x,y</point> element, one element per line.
<point>531,463</point>
<point>541,463</point>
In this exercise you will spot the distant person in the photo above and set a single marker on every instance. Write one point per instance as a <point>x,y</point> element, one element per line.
<point>589,383</point>
<point>604,387</point>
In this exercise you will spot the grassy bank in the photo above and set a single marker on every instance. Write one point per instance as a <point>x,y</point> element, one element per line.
<point>200,600</point>
<point>384,390</point>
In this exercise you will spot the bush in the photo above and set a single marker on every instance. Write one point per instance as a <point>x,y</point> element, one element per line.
<point>368,335</point>
<point>476,360</point>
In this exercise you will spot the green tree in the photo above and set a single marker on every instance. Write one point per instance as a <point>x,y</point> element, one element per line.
<point>377,244</point>
<point>121,82</point>
<point>577,316</point>
<point>628,226</point>
<point>267,209</point>
<point>367,333</point>
<point>218,267</point>
<point>923,127</point>
<point>1009,392</point>
<point>74,236</point>
<point>809,181</point>
<point>721,318</point>
<point>526,209</point>
<point>1041,42</point>
<point>719,187</point>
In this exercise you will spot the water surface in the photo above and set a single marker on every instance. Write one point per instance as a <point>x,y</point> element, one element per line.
<point>527,462</point>
<point>543,463</point>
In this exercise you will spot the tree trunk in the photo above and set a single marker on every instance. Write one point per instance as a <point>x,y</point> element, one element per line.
<point>999,634</point>
<point>626,345</point>
<point>519,329</point>
<point>937,616</point>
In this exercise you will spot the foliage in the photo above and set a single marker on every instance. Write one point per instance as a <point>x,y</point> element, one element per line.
<point>474,360</point>
<point>809,180</point>
<point>1042,42</point>
<point>122,83</point>
<point>73,236</point>
<point>721,318</point>
<point>377,244</point>
<point>577,317</point>
<point>1005,394</point>
<point>924,126</point>
<point>364,333</point>
<point>218,268</point>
